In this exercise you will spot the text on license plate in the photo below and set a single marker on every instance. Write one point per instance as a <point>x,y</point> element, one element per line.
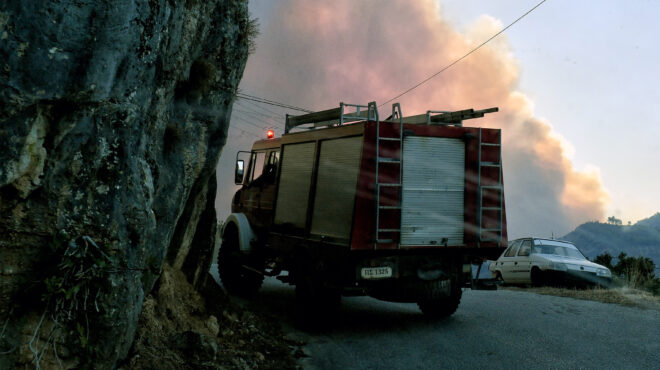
<point>376,272</point>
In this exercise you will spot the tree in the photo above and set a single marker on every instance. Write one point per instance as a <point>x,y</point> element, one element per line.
<point>614,221</point>
<point>637,271</point>
<point>604,259</point>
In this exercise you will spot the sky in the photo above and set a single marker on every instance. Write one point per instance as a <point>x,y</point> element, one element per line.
<point>575,82</point>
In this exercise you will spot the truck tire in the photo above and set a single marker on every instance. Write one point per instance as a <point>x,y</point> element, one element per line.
<point>235,278</point>
<point>441,307</point>
<point>317,304</point>
<point>317,307</point>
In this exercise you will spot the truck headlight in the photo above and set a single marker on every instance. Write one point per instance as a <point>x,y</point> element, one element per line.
<point>604,272</point>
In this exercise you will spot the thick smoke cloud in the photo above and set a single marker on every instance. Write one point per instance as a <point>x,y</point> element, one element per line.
<point>315,55</point>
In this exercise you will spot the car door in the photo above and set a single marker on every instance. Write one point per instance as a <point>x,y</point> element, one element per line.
<point>522,264</point>
<point>506,262</point>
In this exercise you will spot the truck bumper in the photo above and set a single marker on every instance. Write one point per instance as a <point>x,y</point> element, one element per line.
<point>410,277</point>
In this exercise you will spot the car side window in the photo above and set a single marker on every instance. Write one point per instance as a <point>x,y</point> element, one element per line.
<point>526,248</point>
<point>513,249</point>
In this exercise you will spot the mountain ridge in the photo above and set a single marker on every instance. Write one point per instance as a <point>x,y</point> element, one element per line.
<point>641,239</point>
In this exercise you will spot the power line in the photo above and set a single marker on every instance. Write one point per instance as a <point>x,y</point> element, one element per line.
<point>270,102</point>
<point>244,131</point>
<point>464,56</point>
<point>272,120</point>
<point>241,118</point>
<point>255,115</point>
<point>261,108</point>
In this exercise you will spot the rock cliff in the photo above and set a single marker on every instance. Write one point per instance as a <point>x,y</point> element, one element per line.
<point>112,118</point>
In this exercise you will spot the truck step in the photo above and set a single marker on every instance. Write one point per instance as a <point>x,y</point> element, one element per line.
<point>389,138</point>
<point>382,241</point>
<point>490,144</point>
<point>389,207</point>
<point>490,164</point>
<point>388,184</point>
<point>389,230</point>
<point>491,208</point>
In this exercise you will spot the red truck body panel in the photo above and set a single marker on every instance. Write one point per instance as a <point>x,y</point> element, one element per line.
<point>363,236</point>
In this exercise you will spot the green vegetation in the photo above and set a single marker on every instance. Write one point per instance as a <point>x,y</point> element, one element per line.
<point>633,272</point>
<point>72,293</point>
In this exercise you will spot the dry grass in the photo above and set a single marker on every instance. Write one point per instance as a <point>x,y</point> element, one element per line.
<point>622,296</point>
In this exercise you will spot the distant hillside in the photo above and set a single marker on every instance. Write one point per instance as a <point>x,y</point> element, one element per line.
<point>653,221</point>
<point>640,239</point>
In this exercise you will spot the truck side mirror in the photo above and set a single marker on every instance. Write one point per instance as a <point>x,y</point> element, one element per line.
<point>238,172</point>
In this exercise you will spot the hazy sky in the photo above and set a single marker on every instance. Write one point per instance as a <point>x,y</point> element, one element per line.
<point>591,69</point>
<point>575,82</point>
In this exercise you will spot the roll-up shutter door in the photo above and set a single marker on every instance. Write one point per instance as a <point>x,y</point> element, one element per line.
<point>433,191</point>
<point>295,180</point>
<point>339,165</point>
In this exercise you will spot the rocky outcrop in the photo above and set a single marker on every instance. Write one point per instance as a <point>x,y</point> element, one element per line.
<point>112,118</point>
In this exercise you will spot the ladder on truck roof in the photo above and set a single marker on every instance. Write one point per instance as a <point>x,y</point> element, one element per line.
<point>334,116</point>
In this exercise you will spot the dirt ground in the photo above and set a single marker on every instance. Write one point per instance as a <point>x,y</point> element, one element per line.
<point>179,329</point>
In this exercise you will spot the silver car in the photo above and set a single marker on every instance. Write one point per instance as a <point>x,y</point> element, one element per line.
<point>543,261</point>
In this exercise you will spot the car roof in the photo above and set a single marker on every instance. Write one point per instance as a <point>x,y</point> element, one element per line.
<point>548,239</point>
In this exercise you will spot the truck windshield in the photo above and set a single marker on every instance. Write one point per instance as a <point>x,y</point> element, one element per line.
<point>558,250</point>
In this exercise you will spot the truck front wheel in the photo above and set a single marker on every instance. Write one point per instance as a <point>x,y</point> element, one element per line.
<point>232,263</point>
<point>442,307</point>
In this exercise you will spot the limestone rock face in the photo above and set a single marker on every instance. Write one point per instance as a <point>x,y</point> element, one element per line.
<point>112,118</point>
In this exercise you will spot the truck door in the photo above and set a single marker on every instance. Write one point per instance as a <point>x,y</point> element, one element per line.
<point>266,184</point>
<point>251,194</point>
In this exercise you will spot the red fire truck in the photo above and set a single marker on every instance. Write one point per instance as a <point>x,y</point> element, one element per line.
<point>349,204</point>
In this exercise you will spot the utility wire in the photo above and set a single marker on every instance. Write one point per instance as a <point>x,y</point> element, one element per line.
<point>270,102</point>
<point>258,115</point>
<point>244,119</point>
<point>261,108</point>
<point>464,56</point>
<point>255,115</point>
<point>244,131</point>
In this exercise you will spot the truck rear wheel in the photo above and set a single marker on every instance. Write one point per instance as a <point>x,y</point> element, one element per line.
<point>316,306</point>
<point>237,279</point>
<point>442,307</point>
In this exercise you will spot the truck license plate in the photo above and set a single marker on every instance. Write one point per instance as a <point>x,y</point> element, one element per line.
<point>376,272</point>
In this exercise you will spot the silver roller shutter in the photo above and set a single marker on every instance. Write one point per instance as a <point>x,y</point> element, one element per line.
<point>433,191</point>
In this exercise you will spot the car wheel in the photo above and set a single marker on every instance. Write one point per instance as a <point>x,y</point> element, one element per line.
<point>237,279</point>
<point>537,277</point>
<point>499,278</point>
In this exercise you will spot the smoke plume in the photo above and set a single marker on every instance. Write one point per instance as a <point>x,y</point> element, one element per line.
<point>315,55</point>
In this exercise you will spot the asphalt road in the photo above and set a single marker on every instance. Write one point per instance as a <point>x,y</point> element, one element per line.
<point>491,330</point>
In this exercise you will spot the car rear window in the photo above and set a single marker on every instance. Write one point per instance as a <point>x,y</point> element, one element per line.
<point>526,248</point>
<point>513,249</point>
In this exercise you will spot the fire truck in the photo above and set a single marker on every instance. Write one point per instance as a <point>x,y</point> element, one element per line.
<point>348,204</point>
